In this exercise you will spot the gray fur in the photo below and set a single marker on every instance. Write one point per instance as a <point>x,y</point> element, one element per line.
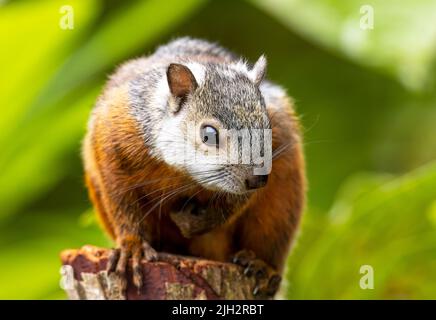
<point>235,101</point>
<point>227,92</point>
<point>185,46</point>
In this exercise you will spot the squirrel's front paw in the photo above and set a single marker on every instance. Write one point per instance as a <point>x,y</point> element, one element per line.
<point>135,248</point>
<point>267,279</point>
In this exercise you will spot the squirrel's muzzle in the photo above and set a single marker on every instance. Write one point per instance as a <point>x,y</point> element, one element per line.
<point>255,182</point>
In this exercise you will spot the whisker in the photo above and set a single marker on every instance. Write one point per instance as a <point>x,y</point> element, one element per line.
<point>172,194</point>
<point>189,199</point>
<point>144,183</point>
<point>280,150</point>
<point>315,122</point>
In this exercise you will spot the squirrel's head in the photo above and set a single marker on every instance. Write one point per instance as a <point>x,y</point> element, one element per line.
<point>216,128</point>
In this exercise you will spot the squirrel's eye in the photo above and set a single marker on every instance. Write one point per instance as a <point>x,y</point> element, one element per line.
<point>209,135</point>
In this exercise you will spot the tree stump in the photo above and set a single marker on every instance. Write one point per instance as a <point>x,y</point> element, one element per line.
<point>170,277</point>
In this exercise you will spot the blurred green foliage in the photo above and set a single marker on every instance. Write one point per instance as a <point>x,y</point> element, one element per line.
<point>385,222</point>
<point>366,97</point>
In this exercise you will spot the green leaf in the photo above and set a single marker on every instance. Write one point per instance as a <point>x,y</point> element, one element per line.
<point>40,163</point>
<point>402,41</point>
<point>30,265</point>
<point>122,34</point>
<point>387,224</point>
<point>33,46</point>
<point>50,126</point>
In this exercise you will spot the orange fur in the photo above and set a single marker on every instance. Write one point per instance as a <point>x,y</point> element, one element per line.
<point>116,161</point>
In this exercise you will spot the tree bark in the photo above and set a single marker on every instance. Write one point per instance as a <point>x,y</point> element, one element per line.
<point>171,277</point>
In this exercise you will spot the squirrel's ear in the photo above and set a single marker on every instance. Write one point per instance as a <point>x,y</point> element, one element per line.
<point>258,71</point>
<point>181,82</point>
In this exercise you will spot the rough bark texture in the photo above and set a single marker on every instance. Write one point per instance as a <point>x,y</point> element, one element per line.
<point>171,277</point>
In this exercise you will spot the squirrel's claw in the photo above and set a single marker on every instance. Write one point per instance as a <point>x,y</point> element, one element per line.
<point>137,270</point>
<point>149,254</point>
<point>267,287</point>
<point>243,257</point>
<point>136,250</point>
<point>267,279</point>
<point>113,260</point>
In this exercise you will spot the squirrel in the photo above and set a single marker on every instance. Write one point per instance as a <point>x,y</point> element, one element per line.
<point>147,200</point>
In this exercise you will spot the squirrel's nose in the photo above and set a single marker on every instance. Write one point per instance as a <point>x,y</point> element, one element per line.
<point>254,182</point>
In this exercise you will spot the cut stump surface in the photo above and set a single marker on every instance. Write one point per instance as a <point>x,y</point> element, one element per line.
<point>171,277</point>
